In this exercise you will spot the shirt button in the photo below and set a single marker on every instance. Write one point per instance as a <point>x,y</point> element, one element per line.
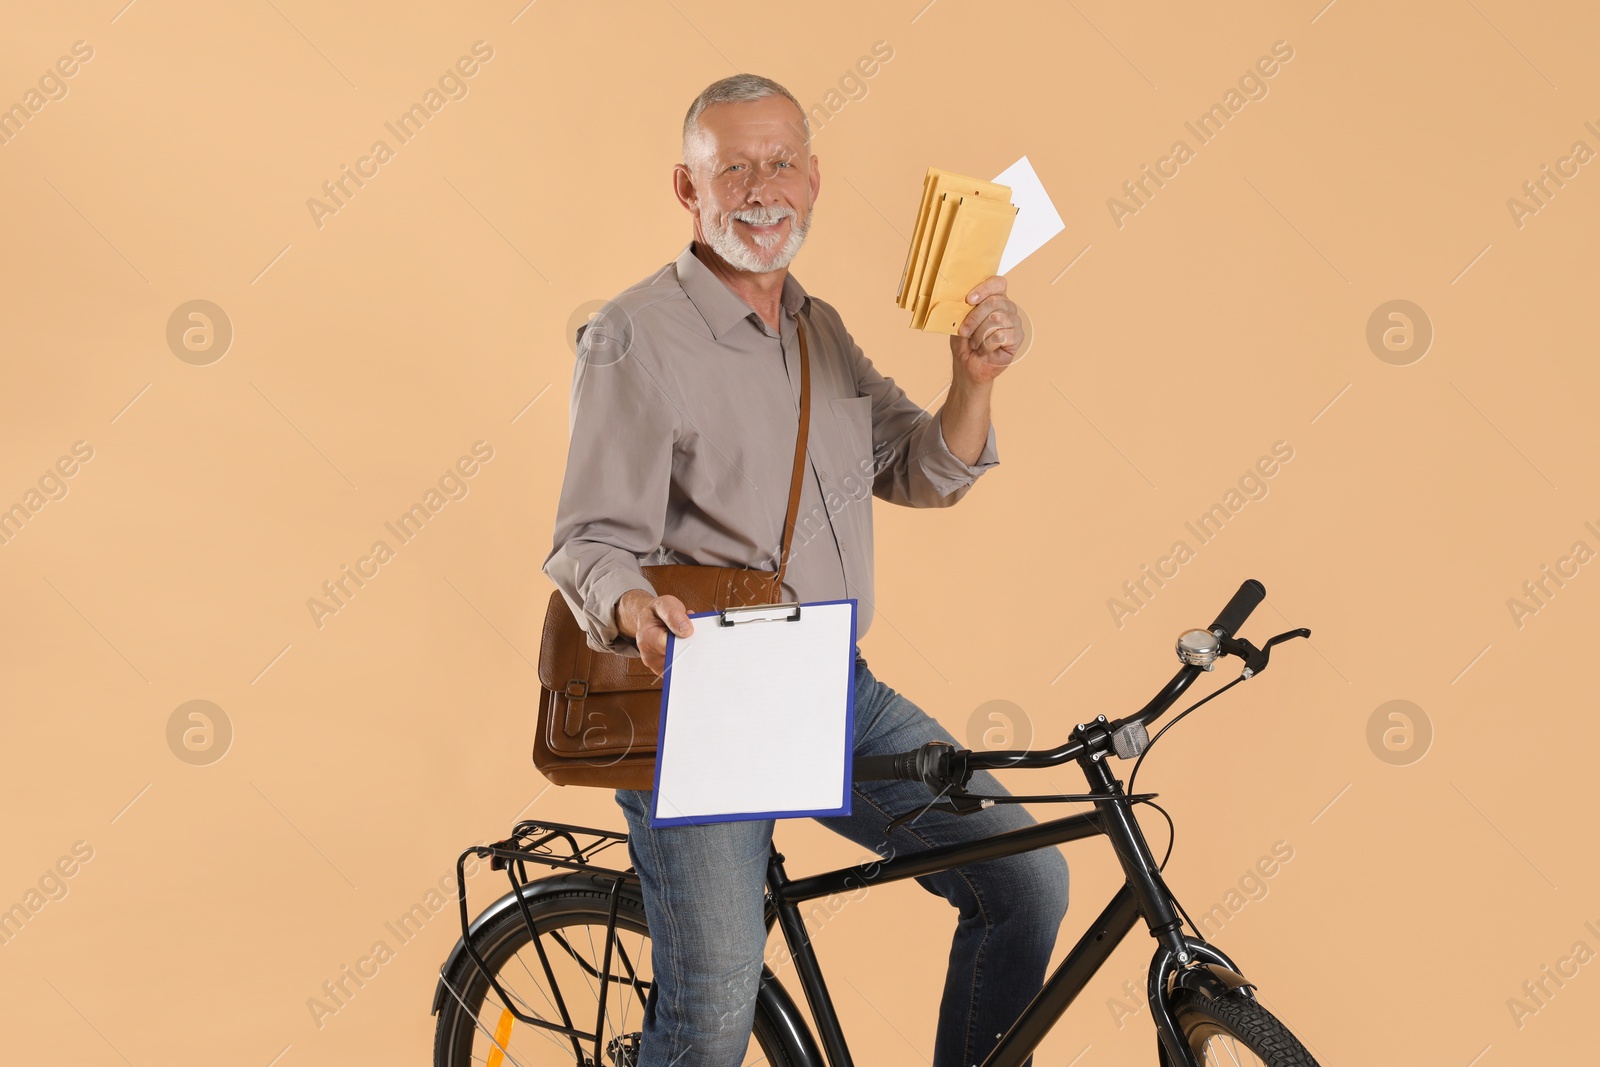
<point>824,475</point>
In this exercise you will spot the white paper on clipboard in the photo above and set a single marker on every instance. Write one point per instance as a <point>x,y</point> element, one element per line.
<point>757,717</point>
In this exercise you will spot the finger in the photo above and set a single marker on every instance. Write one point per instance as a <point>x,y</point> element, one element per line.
<point>997,346</point>
<point>994,285</point>
<point>1003,351</point>
<point>977,316</point>
<point>993,333</point>
<point>989,323</point>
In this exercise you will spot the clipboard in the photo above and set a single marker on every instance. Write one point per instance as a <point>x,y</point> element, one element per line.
<point>757,716</point>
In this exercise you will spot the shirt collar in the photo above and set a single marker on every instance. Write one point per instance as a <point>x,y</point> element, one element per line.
<point>720,306</point>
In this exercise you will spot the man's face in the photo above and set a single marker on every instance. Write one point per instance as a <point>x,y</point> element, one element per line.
<point>752,186</point>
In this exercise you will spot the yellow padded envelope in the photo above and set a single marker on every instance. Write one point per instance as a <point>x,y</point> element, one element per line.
<point>934,185</point>
<point>971,253</point>
<point>901,297</point>
<point>932,249</point>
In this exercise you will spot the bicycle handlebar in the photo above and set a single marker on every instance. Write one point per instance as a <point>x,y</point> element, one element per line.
<point>932,763</point>
<point>1246,600</point>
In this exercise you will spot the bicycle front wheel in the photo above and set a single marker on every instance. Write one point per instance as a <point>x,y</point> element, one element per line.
<point>1236,1031</point>
<point>556,975</point>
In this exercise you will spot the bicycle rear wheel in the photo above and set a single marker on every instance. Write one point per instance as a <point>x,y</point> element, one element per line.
<point>1234,1031</point>
<point>476,1030</point>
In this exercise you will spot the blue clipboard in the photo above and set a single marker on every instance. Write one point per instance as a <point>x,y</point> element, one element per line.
<point>814,668</point>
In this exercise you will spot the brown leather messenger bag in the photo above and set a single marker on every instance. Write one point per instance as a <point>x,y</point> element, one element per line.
<point>599,712</point>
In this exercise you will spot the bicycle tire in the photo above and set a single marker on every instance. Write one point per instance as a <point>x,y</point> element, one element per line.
<point>500,940</point>
<point>1241,1018</point>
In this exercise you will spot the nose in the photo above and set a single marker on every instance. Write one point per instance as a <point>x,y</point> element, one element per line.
<point>757,178</point>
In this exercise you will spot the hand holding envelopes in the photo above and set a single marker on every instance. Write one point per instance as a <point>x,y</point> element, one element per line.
<point>960,235</point>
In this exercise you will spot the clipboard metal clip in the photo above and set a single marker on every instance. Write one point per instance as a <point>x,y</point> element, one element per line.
<point>761,613</point>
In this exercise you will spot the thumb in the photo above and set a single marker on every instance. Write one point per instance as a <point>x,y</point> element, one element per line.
<point>676,617</point>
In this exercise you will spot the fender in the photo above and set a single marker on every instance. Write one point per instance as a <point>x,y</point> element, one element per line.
<point>1211,979</point>
<point>780,1006</point>
<point>1211,973</point>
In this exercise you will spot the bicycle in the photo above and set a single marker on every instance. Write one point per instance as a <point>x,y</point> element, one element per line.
<point>587,920</point>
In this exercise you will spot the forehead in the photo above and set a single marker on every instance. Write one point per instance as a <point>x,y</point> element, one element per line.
<point>769,126</point>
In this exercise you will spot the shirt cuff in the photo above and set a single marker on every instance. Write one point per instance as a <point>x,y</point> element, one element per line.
<point>600,607</point>
<point>945,470</point>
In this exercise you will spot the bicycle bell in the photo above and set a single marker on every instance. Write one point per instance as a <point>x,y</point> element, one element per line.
<point>1199,648</point>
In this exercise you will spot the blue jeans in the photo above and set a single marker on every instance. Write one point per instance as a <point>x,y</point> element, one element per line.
<point>703,889</point>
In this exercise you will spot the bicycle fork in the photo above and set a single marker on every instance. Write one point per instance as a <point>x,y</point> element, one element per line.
<point>1179,960</point>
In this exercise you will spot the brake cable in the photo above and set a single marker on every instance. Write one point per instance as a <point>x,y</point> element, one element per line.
<point>1175,721</point>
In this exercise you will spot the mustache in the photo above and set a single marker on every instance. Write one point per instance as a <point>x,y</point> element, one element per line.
<point>763,216</point>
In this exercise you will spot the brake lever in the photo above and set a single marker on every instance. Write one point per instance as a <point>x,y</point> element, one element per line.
<point>943,769</point>
<point>954,804</point>
<point>1255,659</point>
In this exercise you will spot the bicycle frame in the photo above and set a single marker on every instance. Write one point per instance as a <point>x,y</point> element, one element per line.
<point>1179,962</point>
<point>1143,895</point>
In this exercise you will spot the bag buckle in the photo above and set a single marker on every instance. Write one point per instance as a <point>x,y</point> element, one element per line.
<point>577,689</point>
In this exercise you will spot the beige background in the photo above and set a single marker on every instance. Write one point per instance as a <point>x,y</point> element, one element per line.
<point>1229,313</point>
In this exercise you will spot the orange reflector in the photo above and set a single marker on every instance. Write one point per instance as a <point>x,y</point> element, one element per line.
<point>502,1035</point>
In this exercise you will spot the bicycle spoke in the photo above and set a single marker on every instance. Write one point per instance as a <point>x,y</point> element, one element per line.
<point>611,939</point>
<point>518,957</point>
<point>602,955</point>
<point>1226,1044</point>
<point>475,1020</point>
<point>603,978</point>
<point>560,1042</point>
<point>501,1038</point>
<point>588,967</point>
<point>602,1020</point>
<point>633,980</point>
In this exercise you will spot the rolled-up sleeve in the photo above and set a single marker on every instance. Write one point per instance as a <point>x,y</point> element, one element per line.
<point>913,466</point>
<point>614,494</point>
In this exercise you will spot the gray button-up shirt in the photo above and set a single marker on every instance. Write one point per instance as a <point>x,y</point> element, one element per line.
<point>683,434</point>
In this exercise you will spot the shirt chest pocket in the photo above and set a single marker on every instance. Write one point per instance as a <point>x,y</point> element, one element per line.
<point>845,463</point>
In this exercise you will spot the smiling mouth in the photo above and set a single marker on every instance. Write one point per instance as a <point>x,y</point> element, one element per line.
<point>768,228</point>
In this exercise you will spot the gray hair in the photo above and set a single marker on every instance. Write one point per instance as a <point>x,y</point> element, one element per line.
<point>734,89</point>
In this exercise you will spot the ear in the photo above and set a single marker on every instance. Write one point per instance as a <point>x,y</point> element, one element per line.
<point>683,188</point>
<point>816,179</point>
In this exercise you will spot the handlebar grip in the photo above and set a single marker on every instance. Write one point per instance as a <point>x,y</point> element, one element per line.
<point>1250,594</point>
<point>931,765</point>
<point>898,767</point>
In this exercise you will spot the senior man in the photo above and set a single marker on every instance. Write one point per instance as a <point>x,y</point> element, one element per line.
<point>681,452</point>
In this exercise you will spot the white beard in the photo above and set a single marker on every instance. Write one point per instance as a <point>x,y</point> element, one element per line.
<point>731,247</point>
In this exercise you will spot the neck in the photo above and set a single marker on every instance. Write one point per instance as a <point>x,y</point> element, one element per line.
<point>762,292</point>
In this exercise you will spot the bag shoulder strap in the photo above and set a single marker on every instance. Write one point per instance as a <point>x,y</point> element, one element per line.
<point>801,435</point>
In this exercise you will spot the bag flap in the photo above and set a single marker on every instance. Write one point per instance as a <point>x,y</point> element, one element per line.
<point>700,588</point>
